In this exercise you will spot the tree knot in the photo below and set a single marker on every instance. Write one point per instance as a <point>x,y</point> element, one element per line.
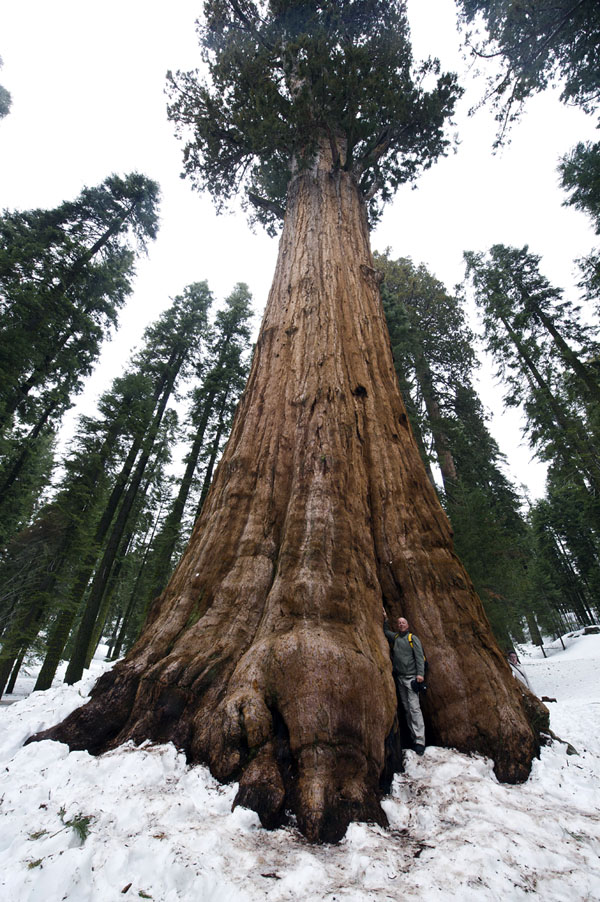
<point>371,274</point>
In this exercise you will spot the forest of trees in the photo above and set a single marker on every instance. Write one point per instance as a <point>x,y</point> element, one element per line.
<point>87,553</point>
<point>535,565</point>
<point>90,540</point>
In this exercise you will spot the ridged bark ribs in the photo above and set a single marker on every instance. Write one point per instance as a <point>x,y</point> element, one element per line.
<point>265,656</point>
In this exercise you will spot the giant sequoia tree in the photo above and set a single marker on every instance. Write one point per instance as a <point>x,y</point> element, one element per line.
<point>265,655</point>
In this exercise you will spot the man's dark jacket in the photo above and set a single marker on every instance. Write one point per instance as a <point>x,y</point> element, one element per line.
<point>407,661</point>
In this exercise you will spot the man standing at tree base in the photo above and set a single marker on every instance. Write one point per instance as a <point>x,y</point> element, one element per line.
<point>409,671</point>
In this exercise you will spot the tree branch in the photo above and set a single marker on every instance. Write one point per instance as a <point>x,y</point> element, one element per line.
<point>263,204</point>
<point>239,13</point>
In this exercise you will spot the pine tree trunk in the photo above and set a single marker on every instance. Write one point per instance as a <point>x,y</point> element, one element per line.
<point>102,575</point>
<point>265,655</point>
<point>107,599</point>
<point>210,466</point>
<point>20,636</point>
<point>172,528</point>
<point>569,356</point>
<point>115,651</point>
<point>84,572</point>
<point>26,449</point>
<point>534,631</point>
<point>57,640</point>
<point>10,686</point>
<point>90,560</point>
<point>440,439</point>
<point>571,427</point>
<point>113,638</point>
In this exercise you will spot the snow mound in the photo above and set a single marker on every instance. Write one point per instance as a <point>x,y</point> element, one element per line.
<point>139,823</point>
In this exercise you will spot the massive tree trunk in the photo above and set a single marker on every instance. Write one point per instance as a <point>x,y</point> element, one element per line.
<point>265,655</point>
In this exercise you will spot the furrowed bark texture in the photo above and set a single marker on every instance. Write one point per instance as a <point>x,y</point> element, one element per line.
<point>265,655</point>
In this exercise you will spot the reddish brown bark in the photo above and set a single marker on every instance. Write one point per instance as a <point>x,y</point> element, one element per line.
<point>265,655</point>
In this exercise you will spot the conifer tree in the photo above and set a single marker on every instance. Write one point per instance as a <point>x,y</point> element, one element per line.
<point>142,513</point>
<point>130,607</point>
<point>222,375</point>
<point>547,358</point>
<point>265,655</point>
<point>535,335</point>
<point>171,346</point>
<point>580,177</point>
<point>61,534</point>
<point>573,518</point>
<point>568,598</point>
<point>104,480</point>
<point>64,274</point>
<point>28,576</point>
<point>435,362</point>
<point>433,351</point>
<point>19,505</point>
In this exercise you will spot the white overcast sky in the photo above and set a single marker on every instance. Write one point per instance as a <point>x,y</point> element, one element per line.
<point>87,82</point>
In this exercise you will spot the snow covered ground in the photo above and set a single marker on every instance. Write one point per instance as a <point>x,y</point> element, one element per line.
<point>161,830</point>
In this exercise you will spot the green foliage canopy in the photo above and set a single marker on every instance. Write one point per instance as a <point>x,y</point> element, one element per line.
<point>580,177</point>
<point>525,317</point>
<point>64,274</point>
<point>285,75</point>
<point>538,42</point>
<point>435,361</point>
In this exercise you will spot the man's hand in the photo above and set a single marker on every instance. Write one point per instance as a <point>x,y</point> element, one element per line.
<point>384,614</point>
<point>420,679</point>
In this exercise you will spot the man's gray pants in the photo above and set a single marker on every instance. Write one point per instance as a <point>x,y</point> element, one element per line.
<point>412,708</point>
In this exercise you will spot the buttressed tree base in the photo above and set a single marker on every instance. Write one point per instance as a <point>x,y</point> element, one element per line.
<point>265,656</point>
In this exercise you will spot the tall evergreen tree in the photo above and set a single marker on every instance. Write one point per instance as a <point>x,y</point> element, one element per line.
<point>435,362</point>
<point>511,278</point>
<point>547,358</point>
<point>19,505</point>
<point>105,479</point>
<point>97,454</point>
<point>64,274</point>
<point>490,533</point>
<point>433,351</point>
<point>222,378</point>
<point>569,597</point>
<point>172,345</point>
<point>265,656</point>
<point>286,76</point>
<point>580,177</point>
<point>63,530</point>
<point>131,605</point>
<point>151,494</point>
<point>535,336</point>
<point>28,579</point>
